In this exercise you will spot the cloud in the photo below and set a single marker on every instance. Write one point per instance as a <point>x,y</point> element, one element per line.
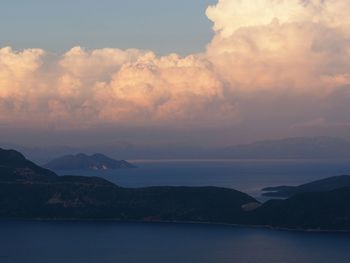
<point>84,87</point>
<point>300,46</point>
<point>287,61</point>
<point>229,16</point>
<point>266,55</point>
<point>18,74</point>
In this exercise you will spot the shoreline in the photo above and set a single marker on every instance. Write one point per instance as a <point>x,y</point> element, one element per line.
<point>263,227</point>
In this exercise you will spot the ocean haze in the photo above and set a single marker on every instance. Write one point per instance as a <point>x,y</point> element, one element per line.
<point>288,148</point>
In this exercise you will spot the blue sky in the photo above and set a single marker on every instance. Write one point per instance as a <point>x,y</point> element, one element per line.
<point>163,26</point>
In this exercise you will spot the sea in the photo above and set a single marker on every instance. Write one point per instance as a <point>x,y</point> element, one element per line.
<point>249,176</point>
<point>112,242</point>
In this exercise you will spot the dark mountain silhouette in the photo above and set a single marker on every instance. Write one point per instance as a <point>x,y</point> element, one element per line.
<point>85,162</point>
<point>30,192</point>
<point>328,210</point>
<point>48,196</point>
<point>14,167</point>
<point>323,185</point>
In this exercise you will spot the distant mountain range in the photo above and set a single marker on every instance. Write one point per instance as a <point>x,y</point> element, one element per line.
<point>85,162</point>
<point>299,147</point>
<point>293,148</point>
<point>28,191</point>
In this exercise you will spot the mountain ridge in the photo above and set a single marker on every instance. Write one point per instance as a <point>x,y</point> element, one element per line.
<point>28,191</point>
<point>79,197</point>
<point>293,148</point>
<point>323,185</point>
<point>314,147</point>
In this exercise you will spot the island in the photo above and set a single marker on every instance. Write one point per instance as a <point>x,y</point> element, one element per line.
<point>31,192</point>
<point>87,162</point>
<point>28,191</point>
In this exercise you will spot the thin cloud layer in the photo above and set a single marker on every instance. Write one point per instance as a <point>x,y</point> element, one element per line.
<point>264,54</point>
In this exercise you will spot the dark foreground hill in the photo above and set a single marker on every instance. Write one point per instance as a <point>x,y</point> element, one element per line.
<point>47,196</point>
<point>323,185</point>
<point>30,192</point>
<point>85,162</point>
<point>328,210</point>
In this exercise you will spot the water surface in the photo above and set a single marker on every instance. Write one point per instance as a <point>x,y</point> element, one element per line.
<point>109,242</point>
<point>245,175</point>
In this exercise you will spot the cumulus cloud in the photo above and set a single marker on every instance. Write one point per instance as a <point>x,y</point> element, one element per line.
<point>18,74</point>
<point>297,45</point>
<point>109,86</point>
<point>229,16</point>
<point>264,54</point>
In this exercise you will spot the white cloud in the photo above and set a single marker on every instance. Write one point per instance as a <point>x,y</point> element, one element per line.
<point>293,49</point>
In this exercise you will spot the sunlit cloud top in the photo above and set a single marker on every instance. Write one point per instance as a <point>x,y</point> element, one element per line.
<point>264,54</point>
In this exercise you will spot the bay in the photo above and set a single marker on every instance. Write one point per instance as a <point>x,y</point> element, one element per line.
<point>110,242</point>
<point>249,176</point>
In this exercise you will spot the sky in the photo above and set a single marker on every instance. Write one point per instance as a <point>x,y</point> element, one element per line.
<point>163,26</point>
<point>210,73</point>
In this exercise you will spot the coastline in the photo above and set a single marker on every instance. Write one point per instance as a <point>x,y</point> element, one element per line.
<point>266,227</point>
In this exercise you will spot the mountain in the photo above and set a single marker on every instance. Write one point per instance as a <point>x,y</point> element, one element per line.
<point>323,185</point>
<point>48,196</point>
<point>14,167</point>
<point>294,148</point>
<point>328,210</point>
<point>28,191</point>
<point>85,162</point>
<point>291,148</point>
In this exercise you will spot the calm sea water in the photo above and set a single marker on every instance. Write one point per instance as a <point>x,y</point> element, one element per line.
<point>107,242</point>
<point>245,175</point>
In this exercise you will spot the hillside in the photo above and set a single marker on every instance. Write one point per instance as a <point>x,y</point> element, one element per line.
<point>47,196</point>
<point>323,185</point>
<point>28,191</point>
<point>328,210</point>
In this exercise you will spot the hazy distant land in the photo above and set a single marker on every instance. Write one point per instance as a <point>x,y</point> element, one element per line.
<point>289,148</point>
<point>85,162</point>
